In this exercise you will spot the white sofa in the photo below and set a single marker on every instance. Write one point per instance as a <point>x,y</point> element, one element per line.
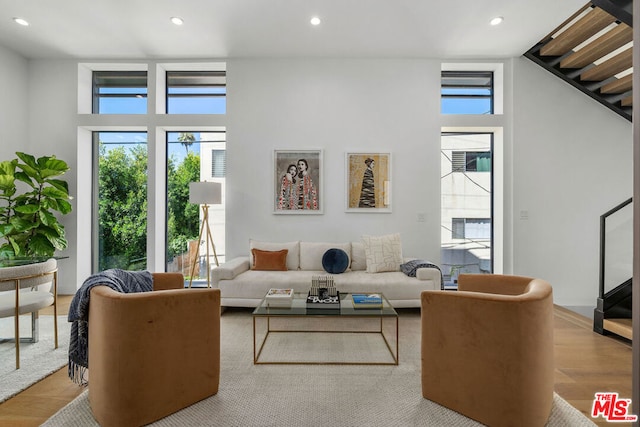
<point>241,286</point>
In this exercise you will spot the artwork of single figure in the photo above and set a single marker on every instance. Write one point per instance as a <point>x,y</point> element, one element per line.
<point>368,191</point>
<point>306,191</point>
<point>287,198</point>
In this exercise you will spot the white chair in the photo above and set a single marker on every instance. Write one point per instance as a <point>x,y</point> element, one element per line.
<point>38,285</point>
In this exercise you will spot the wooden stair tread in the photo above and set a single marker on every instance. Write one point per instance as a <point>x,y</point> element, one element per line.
<point>627,101</point>
<point>587,26</point>
<point>609,68</point>
<point>608,42</point>
<point>619,86</point>
<point>620,327</point>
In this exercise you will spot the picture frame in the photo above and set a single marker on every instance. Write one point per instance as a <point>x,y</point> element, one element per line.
<point>368,182</point>
<point>300,194</point>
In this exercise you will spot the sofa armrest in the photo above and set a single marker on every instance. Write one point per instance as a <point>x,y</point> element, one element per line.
<point>229,270</point>
<point>428,273</point>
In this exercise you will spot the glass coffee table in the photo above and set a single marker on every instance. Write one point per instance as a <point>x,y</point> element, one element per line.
<point>348,321</point>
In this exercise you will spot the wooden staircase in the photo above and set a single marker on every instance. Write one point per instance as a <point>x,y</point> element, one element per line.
<point>592,51</point>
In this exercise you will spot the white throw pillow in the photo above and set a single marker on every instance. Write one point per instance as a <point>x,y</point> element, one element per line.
<point>358,257</point>
<point>383,253</point>
<point>293,256</point>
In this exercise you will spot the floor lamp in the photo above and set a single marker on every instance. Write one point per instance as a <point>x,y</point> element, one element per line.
<point>205,194</point>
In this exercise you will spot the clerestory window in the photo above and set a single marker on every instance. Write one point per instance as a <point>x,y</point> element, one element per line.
<point>467,92</point>
<point>119,92</point>
<point>196,92</point>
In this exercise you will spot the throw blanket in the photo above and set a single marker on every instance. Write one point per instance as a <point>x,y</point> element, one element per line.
<point>118,280</point>
<point>409,268</point>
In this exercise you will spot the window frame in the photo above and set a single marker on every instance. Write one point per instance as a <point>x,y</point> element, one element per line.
<point>194,79</point>
<point>109,78</point>
<point>466,75</point>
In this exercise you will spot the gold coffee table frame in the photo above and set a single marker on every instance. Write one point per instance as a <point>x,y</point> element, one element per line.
<point>298,310</point>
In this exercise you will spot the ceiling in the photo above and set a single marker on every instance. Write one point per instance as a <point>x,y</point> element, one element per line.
<point>118,29</point>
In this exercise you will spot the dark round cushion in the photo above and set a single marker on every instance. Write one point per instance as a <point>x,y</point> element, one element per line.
<point>335,261</point>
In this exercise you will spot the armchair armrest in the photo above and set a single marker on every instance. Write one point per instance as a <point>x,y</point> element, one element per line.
<point>229,270</point>
<point>164,281</point>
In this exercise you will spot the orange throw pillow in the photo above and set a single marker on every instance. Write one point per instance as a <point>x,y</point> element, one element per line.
<point>270,260</point>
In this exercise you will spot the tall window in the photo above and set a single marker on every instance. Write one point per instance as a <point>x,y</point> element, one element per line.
<point>467,204</point>
<point>119,92</point>
<point>467,92</point>
<point>196,92</point>
<point>190,156</point>
<point>122,211</point>
<point>122,200</point>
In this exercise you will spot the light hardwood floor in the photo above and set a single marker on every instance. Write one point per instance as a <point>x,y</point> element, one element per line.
<point>586,363</point>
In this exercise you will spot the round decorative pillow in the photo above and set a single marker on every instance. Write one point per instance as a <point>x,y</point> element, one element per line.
<point>335,261</point>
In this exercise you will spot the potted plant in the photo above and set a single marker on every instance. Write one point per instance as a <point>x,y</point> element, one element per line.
<point>28,223</point>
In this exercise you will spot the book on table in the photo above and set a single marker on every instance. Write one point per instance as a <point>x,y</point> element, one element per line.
<point>277,297</point>
<point>323,302</point>
<point>367,300</point>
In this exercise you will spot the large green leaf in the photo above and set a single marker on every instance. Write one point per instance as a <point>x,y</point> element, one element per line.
<point>24,177</point>
<point>50,166</point>
<point>6,251</point>
<point>28,159</point>
<point>8,167</point>
<point>54,193</point>
<point>60,184</point>
<point>7,182</point>
<point>5,229</point>
<point>64,207</point>
<point>27,209</point>
<point>21,224</point>
<point>59,243</point>
<point>47,218</point>
<point>40,245</point>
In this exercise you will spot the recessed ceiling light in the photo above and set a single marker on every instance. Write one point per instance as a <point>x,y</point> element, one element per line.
<point>21,21</point>
<point>315,21</point>
<point>497,20</point>
<point>177,21</point>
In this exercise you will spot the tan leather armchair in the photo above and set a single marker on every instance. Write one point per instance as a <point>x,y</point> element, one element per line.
<point>487,349</point>
<point>152,353</point>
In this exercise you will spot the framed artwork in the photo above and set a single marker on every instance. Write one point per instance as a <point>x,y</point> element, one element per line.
<point>368,186</point>
<point>297,178</point>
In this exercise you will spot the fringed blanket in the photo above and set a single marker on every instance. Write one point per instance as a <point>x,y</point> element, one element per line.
<point>409,268</point>
<point>118,280</point>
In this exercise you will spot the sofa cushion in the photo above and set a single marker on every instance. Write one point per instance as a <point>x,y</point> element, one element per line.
<point>335,261</point>
<point>269,260</point>
<point>384,253</point>
<point>293,256</point>
<point>311,253</point>
<point>358,257</point>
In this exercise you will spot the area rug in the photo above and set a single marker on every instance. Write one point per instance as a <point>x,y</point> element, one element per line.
<point>313,395</point>
<point>37,360</point>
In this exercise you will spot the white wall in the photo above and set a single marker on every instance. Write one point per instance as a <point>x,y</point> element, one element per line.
<point>14,87</point>
<point>572,162</point>
<point>53,131</point>
<point>336,106</point>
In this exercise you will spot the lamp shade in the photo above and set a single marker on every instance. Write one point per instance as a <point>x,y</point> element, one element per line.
<point>205,193</point>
